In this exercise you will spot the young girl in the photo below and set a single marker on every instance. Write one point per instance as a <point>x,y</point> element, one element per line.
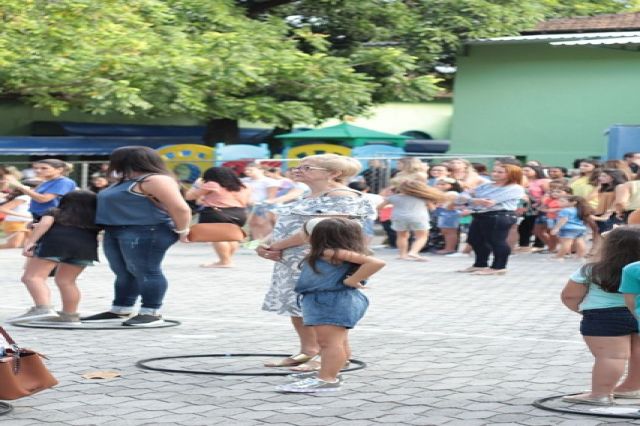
<point>570,226</point>
<point>15,223</point>
<point>332,273</point>
<point>67,238</point>
<point>549,208</point>
<point>608,327</point>
<point>411,214</point>
<point>447,215</point>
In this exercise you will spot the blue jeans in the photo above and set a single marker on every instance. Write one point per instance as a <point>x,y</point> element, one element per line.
<point>135,254</point>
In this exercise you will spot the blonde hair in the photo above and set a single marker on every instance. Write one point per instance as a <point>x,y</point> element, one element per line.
<point>418,189</point>
<point>346,166</point>
<point>413,165</point>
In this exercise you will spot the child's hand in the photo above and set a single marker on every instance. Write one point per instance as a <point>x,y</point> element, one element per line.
<point>350,283</point>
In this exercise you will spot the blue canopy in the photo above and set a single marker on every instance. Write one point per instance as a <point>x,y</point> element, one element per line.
<point>77,145</point>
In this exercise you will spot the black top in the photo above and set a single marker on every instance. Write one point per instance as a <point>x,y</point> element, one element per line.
<point>68,242</point>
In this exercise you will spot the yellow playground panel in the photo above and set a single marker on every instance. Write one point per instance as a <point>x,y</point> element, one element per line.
<point>187,161</point>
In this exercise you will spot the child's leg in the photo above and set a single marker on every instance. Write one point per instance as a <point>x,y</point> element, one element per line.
<point>66,276</point>
<point>611,355</point>
<point>450,239</point>
<point>581,247</point>
<point>565,248</point>
<point>35,278</point>
<point>632,381</point>
<point>402,242</point>
<point>419,240</point>
<point>347,346</point>
<point>333,356</point>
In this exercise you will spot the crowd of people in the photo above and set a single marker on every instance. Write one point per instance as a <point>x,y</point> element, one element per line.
<point>317,221</point>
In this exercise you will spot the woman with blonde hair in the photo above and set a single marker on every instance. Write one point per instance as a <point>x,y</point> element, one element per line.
<point>411,214</point>
<point>410,168</point>
<point>326,176</point>
<point>463,172</point>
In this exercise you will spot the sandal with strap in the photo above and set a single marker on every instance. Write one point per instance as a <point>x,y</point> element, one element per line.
<point>313,364</point>
<point>291,361</point>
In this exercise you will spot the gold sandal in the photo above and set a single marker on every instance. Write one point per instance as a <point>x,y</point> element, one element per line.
<point>291,361</point>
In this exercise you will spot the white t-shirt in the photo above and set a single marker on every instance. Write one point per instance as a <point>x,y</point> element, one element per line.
<point>259,188</point>
<point>22,208</point>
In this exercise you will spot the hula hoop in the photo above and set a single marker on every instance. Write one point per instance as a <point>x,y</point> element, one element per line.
<point>540,403</point>
<point>5,408</point>
<point>143,363</point>
<point>83,326</point>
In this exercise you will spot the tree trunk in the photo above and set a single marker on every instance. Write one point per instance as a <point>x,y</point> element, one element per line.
<point>221,130</point>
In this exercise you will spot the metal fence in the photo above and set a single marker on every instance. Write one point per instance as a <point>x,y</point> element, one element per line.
<point>187,171</point>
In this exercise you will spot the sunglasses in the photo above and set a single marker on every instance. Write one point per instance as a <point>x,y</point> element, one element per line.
<point>306,168</point>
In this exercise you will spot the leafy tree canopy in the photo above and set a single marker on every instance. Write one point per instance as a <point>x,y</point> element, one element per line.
<point>277,61</point>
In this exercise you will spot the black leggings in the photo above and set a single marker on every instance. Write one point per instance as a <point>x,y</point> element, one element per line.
<point>488,233</point>
<point>525,231</point>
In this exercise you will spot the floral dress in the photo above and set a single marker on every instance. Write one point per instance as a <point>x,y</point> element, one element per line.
<point>281,297</point>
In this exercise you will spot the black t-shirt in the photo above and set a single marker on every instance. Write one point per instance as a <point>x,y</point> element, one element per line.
<point>68,242</point>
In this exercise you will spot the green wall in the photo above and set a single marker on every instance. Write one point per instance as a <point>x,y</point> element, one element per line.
<point>547,103</point>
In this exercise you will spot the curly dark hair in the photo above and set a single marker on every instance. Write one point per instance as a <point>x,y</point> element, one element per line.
<point>620,247</point>
<point>225,177</point>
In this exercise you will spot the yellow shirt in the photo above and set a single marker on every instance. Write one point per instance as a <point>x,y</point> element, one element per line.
<point>582,189</point>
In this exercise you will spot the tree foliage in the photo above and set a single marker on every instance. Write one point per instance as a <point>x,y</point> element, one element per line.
<point>277,61</point>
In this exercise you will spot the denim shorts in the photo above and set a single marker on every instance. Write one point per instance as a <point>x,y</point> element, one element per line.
<point>448,220</point>
<point>410,224</point>
<point>343,308</point>
<point>571,233</point>
<point>367,227</point>
<point>551,223</point>
<point>608,322</point>
<point>70,261</point>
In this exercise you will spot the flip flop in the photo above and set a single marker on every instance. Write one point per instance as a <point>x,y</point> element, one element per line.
<point>291,361</point>
<point>313,364</point>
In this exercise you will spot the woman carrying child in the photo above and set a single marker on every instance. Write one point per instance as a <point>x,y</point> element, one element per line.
<point>570,226</point>
<point>607,326</point>
<point>411,214</point>
<point>332,274</point>
<point>66,239</point>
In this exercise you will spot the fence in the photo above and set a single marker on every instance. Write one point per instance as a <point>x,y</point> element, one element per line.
<point>187,172</point>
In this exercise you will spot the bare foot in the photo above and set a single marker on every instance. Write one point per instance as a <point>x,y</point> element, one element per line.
<point>417,257</point>
<point>217,265</point>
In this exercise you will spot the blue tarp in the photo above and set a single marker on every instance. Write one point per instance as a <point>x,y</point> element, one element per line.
<point>77,145</point>
<point>67,128</point>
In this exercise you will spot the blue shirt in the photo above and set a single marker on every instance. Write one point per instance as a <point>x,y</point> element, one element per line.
<point>630,282</point>
<point>596,297</point>
<point>573,221</point>
<point>506,197</point>
<point>59,186</point>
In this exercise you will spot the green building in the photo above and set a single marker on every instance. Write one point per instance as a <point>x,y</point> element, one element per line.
<point>551,93</point>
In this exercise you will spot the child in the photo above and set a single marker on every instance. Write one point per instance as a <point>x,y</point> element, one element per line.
<point>570,226</point>
<point>17,219</point>
<point>67,238</point>
<point>332,273</point>
<point>549,208</point>
<point>608,327</point>
<point>411,214</point>
<point>448,217</point>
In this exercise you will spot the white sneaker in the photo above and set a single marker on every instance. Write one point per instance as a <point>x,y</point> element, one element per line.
<point>34,313</point>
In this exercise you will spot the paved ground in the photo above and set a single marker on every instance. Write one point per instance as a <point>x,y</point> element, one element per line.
<point>442,348</point>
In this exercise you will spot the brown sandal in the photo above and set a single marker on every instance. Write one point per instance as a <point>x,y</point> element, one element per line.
<point>291,361</point>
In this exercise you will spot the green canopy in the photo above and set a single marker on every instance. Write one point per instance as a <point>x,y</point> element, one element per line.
<point>352,135</point>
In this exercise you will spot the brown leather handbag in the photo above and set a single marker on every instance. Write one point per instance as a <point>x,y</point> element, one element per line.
<point>216,232</point>
<point>22,372</point>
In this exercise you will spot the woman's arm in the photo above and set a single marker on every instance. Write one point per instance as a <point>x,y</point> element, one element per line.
<point>39,230</point>
<point>368,265</point>
<point>297,239</point>
<point>622,195</point>
<point>166,190</point>
<point>573,294</point>
<point>293,194</point>
<point>36,196</point>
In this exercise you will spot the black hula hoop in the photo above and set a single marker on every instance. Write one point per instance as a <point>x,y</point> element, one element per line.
<point>5,408</point>
<point>540,403</point>
<point>54,326</point>
<point>359,365</point>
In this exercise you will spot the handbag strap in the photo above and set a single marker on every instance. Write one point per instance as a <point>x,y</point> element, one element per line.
<point>7,337</point>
